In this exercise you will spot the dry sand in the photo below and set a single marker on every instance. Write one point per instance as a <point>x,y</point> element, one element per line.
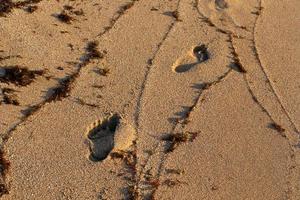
<point>140,99</point>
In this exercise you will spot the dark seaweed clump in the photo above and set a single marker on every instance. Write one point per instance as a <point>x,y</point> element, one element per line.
<point>125,7</point>
<point>72,11</point>
<point>64,17</point>
<point>92,52</point>
<point>19,76</point>
<point>61,91</point>
<point>276,127</point>
<point>175,139</point>
<point>26,2</point>
<point>31,9</point>
<point>102,71</point>
<point>4,167</point>
<point>6,6</point>
<point>3,189</point>
<point>9,97</point>
<point>174,14</point>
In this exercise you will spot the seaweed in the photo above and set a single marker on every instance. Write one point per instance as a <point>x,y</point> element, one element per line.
<point>172,183</point>
<point>103,71</point>
<point>154,9</point>
<point>6,7</point>
<point>125,7</point>
<point>176,139</point>
<point>174,14</point>
<point>3,189</point>
<point>9,97</point>
<point>64,17</point>
<point>31,110</point>
<point>130,161</point>
<point>4,167</point>
<point>4,164</point>
<point>92,52</point>
<point>236,64</point>
<point>276,127</point>
<point>19,76</point>
<point>31,9</point>
<point>98,86</point>
<point>174,171</point>
<point>129,158</point>
<point>62,90</point>
<point>68,7</point>
<point>78,12</point>
<point>26,2</point>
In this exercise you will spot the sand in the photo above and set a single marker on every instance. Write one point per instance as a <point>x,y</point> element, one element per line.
<point>140,99</point>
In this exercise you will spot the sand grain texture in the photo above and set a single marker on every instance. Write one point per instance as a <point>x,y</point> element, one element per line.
<point>205,95</point>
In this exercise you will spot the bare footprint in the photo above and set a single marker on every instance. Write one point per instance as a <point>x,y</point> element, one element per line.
<point>194,57</point>
<point>221,4</point>
<point>230,15</point>
<point>111,134</point>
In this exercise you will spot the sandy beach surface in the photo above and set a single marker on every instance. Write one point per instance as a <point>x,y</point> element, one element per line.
<point>150,99</point>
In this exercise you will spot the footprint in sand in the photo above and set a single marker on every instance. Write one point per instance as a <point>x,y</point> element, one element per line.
<point>221,4</point>
<point>111,134</point>
<point>194,57</point>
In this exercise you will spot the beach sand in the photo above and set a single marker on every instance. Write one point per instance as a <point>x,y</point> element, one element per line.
<point>140,99</point>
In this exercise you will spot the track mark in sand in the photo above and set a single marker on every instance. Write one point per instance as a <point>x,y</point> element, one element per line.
<point>210,23</point>
<point>111,134</point>
<point>135,188</point>
<point>202,87</point>
<point>150,63</point>
<point>194,57</point>
<point>273,125</point>
<point>259,12</point>
<point>236,65</point>
<point>174,139</point>
<point>122,10</point>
